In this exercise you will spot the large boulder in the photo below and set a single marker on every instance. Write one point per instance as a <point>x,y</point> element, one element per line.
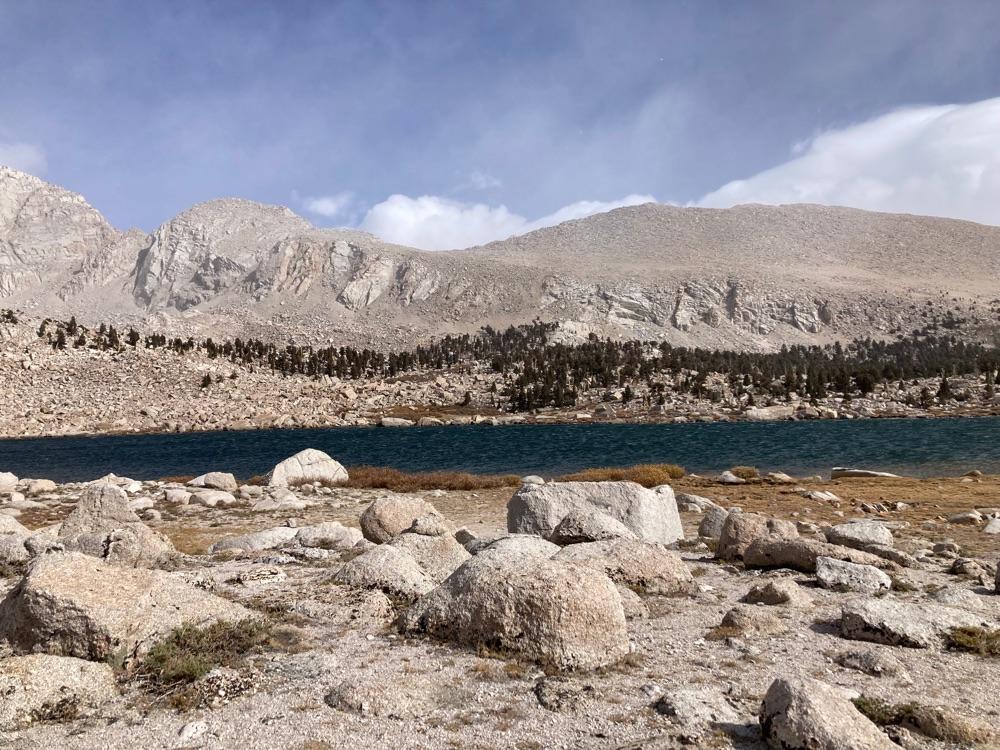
<point>103,525</point>
<point>642,566</point>
<point>12,538</point>
<point>539,508</point>
<point>896,623</point>
<point>13,553</point>
<point>8,481</point>
<point>387,569</point>
<point>713,522</point>
<point>256,540</point>
<point>860,534</point>
<point>40,486</point>
<point>740,530</point>
<point>213,498</point>
<point>692,503</point>
<point>438,555</point>
<point>310,465</point>
<point>41,687</point>
<point>328,535</point>
<point>74,605</point>
<point>390,516</point>
<point>559,614</point>
<point>806,714</point>
<point>216,480</point>
<point>580,526</point>
<point>838,575</point>
<point>801,554</point>
<point>518,544</point>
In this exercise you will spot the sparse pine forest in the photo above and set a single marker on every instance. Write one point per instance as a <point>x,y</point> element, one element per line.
<point>539,372</point>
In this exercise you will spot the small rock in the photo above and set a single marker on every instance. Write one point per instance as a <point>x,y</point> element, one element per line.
<point>805,714</point>
<point>838,575</point>
<point>215,480</point>
<point>779,592</point>
<point>874,663</point>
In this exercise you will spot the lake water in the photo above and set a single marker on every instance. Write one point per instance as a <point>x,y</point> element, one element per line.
<point>929,447</point>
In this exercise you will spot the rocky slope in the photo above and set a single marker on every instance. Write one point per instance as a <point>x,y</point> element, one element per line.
<point>750,277</point>
<point>48,391</point>
<point>709,643</point>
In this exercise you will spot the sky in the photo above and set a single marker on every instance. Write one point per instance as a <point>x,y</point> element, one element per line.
<point>449,124</point>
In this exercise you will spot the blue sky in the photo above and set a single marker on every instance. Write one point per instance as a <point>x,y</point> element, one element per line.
<point>443,123</point>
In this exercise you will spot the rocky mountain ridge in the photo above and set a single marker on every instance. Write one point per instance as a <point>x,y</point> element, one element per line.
<point>747,278</point>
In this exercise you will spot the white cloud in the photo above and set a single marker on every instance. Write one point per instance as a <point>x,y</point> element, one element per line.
<point>431,222</point>
<point>329,206</point>
<point>939,161</point>
<point>27,157</point>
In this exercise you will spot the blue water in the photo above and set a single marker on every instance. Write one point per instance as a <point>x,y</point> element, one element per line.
<point>930,447</point>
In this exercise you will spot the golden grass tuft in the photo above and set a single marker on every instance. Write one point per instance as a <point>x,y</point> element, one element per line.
<point>378,477</point>
<point>746,472</point>
<point>648,475</point>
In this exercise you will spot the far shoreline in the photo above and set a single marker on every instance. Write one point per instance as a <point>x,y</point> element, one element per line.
<point>504,420</point>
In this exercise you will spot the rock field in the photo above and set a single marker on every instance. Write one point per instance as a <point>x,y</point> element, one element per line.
<point>854,613</point>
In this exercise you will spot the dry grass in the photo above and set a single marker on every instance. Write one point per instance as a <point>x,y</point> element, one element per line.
<point>178,479</point>
<point>722,632</point>
<point>375,477</point>
<point>978,640</point>
<point>930,721</point>
<point>746,472</point>
<point>648,475</point>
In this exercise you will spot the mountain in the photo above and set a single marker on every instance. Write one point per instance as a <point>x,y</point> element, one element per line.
<point>750,278</point>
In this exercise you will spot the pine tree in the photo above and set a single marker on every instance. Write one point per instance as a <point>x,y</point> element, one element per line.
<point>944,390</point>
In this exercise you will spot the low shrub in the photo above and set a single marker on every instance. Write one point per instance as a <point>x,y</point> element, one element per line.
<point>977,640</point>
<point>881,712</point>
<point>189,653</point>
<point>648,475</point>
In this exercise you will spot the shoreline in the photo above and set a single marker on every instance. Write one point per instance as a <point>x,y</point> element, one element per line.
<point>504,420</point>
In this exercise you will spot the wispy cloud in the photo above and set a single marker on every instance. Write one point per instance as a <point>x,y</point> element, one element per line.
<point>333,206</point>
<point>28,157</point>
<point>939,160</point>
<point>479,180</point>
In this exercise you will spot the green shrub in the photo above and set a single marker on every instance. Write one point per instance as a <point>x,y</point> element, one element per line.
<point>190,652</point>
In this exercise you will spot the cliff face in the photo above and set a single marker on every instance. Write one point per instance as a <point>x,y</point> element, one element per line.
<point>750,277</point>
<point>45,232</point>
